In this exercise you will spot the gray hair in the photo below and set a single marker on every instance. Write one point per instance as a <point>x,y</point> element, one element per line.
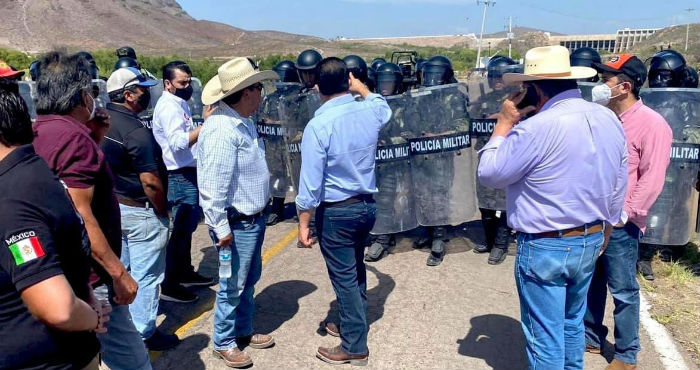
<point>62,80</point>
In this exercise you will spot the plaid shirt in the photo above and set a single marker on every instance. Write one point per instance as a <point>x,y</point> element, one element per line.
<point>231,168</point>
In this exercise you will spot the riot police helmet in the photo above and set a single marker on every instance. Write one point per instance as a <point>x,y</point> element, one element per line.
<point>287,71</point>
<point>584,57</point>
<point>667,69</point>
<point>306,66</point>
<point>34,70</point>
<point>126,62</point>
<point>357,66</point>
<point>437,71</point>
<point>94,70</point>
<point>388,79</point>
<point>691,78</point>
<point>126,51</point>
<point>497,67</point>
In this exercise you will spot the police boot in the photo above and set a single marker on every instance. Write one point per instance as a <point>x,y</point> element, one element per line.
<point>500,250</point>
<point>437,252</point>
<point>424,240</point>
<point>380,248</point>
<point>490,224</point>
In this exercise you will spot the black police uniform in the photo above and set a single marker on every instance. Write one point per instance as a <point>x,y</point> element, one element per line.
<point>42,236</point>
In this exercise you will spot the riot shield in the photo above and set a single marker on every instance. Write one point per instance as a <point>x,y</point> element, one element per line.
<point>673,217</point>
<point>146,116</point>
<point>442,164</point>
<point>484,103</point>
<point>396,211</point>
<point>102,96</point>
<point>27,90</point>
<point>296,111</point>
<point>271,129</point>
<point>195,102</point>
<point>586,89</point>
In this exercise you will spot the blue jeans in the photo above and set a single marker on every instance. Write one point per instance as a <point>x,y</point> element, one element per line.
<point>144,236</point>
<point>552,276</point>
<point>183,199</point>
<point>617,270</point>
<point>122,346</point>
<point>342,232</point>
<point>233,315</point>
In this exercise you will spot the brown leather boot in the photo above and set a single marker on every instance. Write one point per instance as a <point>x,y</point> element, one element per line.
<point>234,357</point>
<point>257,341</point>
<point>619,365</point>
<point>332,329</point>
<point>337,356</point>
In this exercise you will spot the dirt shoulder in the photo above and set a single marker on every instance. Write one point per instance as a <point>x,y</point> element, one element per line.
<point>675,298</point>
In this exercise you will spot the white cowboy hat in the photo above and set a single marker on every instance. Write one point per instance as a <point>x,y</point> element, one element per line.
<point>233,76</point>
<point>548,63</point>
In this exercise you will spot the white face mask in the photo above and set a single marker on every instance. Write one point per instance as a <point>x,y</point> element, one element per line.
<point>94,107</point>
<point>602,93</point>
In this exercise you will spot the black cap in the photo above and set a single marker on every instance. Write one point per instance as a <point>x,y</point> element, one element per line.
<point>627,64</point>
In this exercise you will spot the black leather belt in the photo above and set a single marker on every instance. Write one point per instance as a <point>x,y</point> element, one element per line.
<point>352,200</point>
<point>234,215</point>
<point>133,203</point>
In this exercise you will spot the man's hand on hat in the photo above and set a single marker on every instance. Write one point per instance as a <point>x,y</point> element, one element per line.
<point>510,114</point>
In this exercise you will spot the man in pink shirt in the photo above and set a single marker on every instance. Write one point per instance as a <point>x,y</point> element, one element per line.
<point>649,143</point>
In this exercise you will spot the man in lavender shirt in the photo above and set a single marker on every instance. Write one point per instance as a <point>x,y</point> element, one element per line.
<point>565,174</point>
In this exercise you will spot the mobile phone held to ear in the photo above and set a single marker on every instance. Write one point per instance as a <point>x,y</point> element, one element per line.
<point>530,99</point>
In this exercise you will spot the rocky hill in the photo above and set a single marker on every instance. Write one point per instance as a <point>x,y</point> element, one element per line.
<point>155,27</point>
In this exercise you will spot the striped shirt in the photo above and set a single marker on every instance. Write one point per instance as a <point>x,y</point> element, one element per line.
<point>231,168</point>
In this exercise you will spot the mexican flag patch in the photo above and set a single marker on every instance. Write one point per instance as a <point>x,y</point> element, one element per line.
<point>26,250</point>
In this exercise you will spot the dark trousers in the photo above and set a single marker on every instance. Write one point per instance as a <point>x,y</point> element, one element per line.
<point>277,206</point>
<point>343,231</point>
<point>496,229</point>
<point>183,198</point>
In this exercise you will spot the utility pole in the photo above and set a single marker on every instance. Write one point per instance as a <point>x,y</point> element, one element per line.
<point>510,35</point>
<point>687,28</point>
<point>486,3</point>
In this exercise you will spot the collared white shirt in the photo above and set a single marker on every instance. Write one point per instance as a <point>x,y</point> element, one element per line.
<point>231,168</point>
<point>172,123</point>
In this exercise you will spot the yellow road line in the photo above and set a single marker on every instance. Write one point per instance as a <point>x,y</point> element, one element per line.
<point>267,256</point>
<point>277,248</point>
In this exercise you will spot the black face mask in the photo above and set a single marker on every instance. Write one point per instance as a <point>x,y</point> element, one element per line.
<point>184,94</point>
<point>144,100</point>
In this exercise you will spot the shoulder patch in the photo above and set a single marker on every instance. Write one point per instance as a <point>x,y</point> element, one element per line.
<point>25,247</point>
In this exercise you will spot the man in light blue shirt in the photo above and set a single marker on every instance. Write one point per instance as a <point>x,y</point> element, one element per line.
<point>233,191</point>
<point>337,179</point>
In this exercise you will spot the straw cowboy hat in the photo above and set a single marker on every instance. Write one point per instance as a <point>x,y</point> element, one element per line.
<point>548,63</point>
<point>233,76</point>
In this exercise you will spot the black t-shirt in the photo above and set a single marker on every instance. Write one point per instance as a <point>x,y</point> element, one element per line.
<point>42,236</point>
<point>131,149</point>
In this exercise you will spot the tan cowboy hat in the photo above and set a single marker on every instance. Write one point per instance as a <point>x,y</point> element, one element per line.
<point>233,76</point>
<point>548,63</point>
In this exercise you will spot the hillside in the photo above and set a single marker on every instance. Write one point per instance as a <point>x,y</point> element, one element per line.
<point>675,38</point>
<point>154,27</point>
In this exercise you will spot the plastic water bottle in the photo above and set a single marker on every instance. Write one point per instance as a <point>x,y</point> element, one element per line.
<point>225,262</point>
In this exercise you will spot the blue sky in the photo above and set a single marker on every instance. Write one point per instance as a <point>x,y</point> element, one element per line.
<point>386,18</point>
